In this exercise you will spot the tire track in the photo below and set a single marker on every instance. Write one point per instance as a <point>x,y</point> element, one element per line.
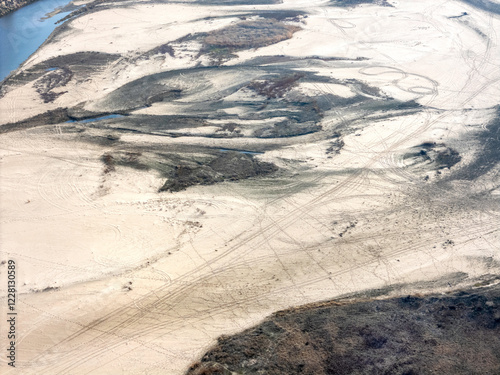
<point>269,230</point>
<point>182,321</point>
<point>261,237</point>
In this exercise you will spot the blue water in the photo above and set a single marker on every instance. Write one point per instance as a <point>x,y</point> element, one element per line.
<point>23,31</point>
<point>96,118</point>
<point>242,151</point>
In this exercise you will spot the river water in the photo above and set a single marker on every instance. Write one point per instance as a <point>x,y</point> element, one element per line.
<point>23,31</point>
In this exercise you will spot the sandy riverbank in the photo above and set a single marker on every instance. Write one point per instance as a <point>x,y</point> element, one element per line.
<point>115,277</point>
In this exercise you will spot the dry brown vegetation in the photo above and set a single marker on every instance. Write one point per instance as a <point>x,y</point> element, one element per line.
<point>109,163</point>
<point>7,6</point>
<point>228,166</point>
<point>54,79</point>
<point>55,116</point>
<point>276,88</point>
<point>400,336</point>
<point>250,34</point>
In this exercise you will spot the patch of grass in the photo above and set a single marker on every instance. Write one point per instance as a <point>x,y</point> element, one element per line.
<point>208,369</point>
<point>439,154</point>
<point>227,166</point>
<point>54,79</point>
<point>451,334</point>
<point>109,163</point>
<point>163,49</point>
<point>250,34</point>
<point>54,116</point>
<point>219,54</point>
<point>276,88</point>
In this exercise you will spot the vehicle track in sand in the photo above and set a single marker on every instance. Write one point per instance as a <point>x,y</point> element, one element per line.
<point>124,324</point>
<point>164,297</point>
<point>158,309</point>
<point>161,296</point>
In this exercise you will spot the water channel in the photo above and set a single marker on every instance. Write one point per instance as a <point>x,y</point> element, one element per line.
<point>24,30</point>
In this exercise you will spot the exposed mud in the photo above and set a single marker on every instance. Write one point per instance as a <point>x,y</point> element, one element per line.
<point>281,15</point>
<point>79,65</point>
<point>486,5</point>
<point>353,3</point>
<point>276,88</point>
<point>322,155</point>
<point>230,165</point>
<point>488,154</point>
<point>287,128</point>
<point>50,81</point>
<point>91,6</point>
<point>438,155</point>
<point>55,116</point>
<point>336,145</point>
<point>238,2</point>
